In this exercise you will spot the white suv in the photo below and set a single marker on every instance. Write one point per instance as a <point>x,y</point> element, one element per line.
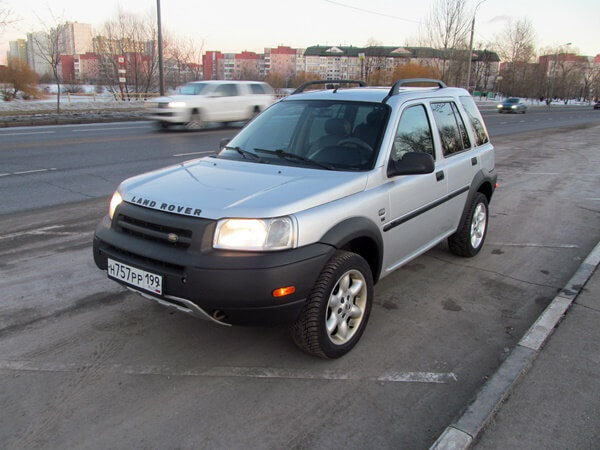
<point>211,101</point>
<point>313,202</point>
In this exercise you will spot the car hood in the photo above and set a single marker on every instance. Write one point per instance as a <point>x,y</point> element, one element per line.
<point>216,188</point>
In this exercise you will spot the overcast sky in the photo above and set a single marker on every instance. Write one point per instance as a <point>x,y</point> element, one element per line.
<point>236,25</point>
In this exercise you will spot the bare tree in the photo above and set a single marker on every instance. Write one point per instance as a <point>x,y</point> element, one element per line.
<point>47,45</point>
<point>516,46</point>
<point>7,16</point>
<point>17,77</point>
<point>129,42</point>
<point>447,31</point>
<point>184,55</point>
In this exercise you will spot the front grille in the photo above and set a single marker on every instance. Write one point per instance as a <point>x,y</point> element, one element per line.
<point>163,105</point>
<point>143,261</point>
<point>154,232</point>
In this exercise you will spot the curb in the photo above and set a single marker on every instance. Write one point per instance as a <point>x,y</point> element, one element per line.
<point>467,428</point>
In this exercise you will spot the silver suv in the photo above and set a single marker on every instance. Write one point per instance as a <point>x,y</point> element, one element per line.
<point>299,215</point>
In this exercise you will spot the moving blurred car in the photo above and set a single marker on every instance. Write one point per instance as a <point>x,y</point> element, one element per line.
<point>597,105</point>
<point>512,105</point>
<point>200,102</point>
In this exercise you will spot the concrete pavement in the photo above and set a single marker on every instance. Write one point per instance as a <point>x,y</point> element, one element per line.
<point>546,394</point>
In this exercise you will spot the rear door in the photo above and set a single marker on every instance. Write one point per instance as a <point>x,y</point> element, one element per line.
<point>460,162</point>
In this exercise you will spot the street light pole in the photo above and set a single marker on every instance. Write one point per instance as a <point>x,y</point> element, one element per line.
<point>161,81</point>
<point>470,56</point>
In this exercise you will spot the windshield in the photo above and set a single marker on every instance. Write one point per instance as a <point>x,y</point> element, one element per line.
<point>328,135</point>
<point>193,88</point>
<point>512,100</point>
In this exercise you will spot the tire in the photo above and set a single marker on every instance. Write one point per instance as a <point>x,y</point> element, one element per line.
<point>161,125</point>
<point>337,310</point>
<point>196,122</point>
<point>470,236</point>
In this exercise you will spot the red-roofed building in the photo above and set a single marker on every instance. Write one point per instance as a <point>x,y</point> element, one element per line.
<point>210,62</point>
<point>283,61</point>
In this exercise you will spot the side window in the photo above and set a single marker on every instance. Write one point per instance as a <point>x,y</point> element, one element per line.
<point>477,125</point>
<point>257,88</point>
<point>226,90</point>
<point>452,129</point>
<point>413,134</point>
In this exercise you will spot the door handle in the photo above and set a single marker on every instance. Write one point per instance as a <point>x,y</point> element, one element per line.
<point>439,176</point>
<point>474,161</point>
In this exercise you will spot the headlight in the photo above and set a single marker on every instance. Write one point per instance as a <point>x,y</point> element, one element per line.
<point>115,201</point>
<point>255,234</point>
<point>176,104</point>
<point>513,107</point>
<point>498,106</point>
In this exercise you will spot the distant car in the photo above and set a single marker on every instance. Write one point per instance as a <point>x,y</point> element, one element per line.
<point>200,102</point>
<point>597,105</point>
<point>512,105</point>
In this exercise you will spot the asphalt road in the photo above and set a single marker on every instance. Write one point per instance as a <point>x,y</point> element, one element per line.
<point>85,363</point>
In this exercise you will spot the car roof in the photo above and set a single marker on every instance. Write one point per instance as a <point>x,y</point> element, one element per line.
<point>378,94</point>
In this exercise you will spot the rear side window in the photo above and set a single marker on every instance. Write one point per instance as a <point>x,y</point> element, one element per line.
<point>477,125</point>
<point>257,88</point>
<point>413,134</point>
<point>227,90</point>
<point>453,133</point>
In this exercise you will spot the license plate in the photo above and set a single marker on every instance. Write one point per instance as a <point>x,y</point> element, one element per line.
<point>135,277</point>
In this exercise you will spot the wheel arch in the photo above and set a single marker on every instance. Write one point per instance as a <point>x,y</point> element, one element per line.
<point>361,236</point>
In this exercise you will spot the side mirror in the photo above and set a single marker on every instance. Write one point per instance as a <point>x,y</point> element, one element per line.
<point>223,143</point>
<point>413,163</point>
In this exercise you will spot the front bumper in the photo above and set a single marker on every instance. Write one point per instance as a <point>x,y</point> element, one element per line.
<point>231,287</point>
<point>171,115</point>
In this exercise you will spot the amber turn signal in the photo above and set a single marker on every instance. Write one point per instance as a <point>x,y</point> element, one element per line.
<point>282,292</point>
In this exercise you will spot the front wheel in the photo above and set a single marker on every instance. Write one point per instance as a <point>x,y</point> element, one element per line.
<point>469,238</point>
<point>337,310</point>
<point>196,122</point>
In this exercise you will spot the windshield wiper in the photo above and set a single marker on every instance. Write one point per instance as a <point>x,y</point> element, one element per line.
<point>244,153</point>
<point>292,156</point>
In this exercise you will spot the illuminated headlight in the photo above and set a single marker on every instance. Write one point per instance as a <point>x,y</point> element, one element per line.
<point>255,234</point>
<point>176,104</point>
<point>513,107</point>
<point>115,201</point>
<point>499,106</point>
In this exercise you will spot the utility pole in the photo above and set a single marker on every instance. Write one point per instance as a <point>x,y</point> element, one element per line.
<point>161,81</point>
<point>470,56</point>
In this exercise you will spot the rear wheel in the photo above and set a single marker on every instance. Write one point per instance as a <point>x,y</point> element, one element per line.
<point>337,310</point>
<point>469,238</point>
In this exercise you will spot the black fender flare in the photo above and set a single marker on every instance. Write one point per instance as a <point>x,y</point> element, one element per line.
<point>483,183</point>
<point>356,228</point>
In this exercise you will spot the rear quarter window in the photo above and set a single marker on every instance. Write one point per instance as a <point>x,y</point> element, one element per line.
<point>475,120</point>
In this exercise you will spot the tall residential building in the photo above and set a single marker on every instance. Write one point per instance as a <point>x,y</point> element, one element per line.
<point>35,57</point>
<point>76,38</point>
<point>17,49</point>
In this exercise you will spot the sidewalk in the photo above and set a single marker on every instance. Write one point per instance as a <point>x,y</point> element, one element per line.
<point>546,394</point>
<point>557,404</point>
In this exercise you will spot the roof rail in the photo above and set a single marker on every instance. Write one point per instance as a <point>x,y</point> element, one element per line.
<point>398,84</point>
<point>310,83</point>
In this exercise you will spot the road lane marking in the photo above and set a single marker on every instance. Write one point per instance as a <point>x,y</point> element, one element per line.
<point>235,372</point>
<point>108,129</point>
<point>39,231</point>
<point>27,172</point>
<point>27,133</point>
<point>531,244</point>
<point>195,153</point>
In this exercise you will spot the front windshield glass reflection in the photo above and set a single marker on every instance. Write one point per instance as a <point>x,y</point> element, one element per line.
<point>334,135</point>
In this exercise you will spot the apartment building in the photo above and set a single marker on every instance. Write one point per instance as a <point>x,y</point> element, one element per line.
<point>17,49</point>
